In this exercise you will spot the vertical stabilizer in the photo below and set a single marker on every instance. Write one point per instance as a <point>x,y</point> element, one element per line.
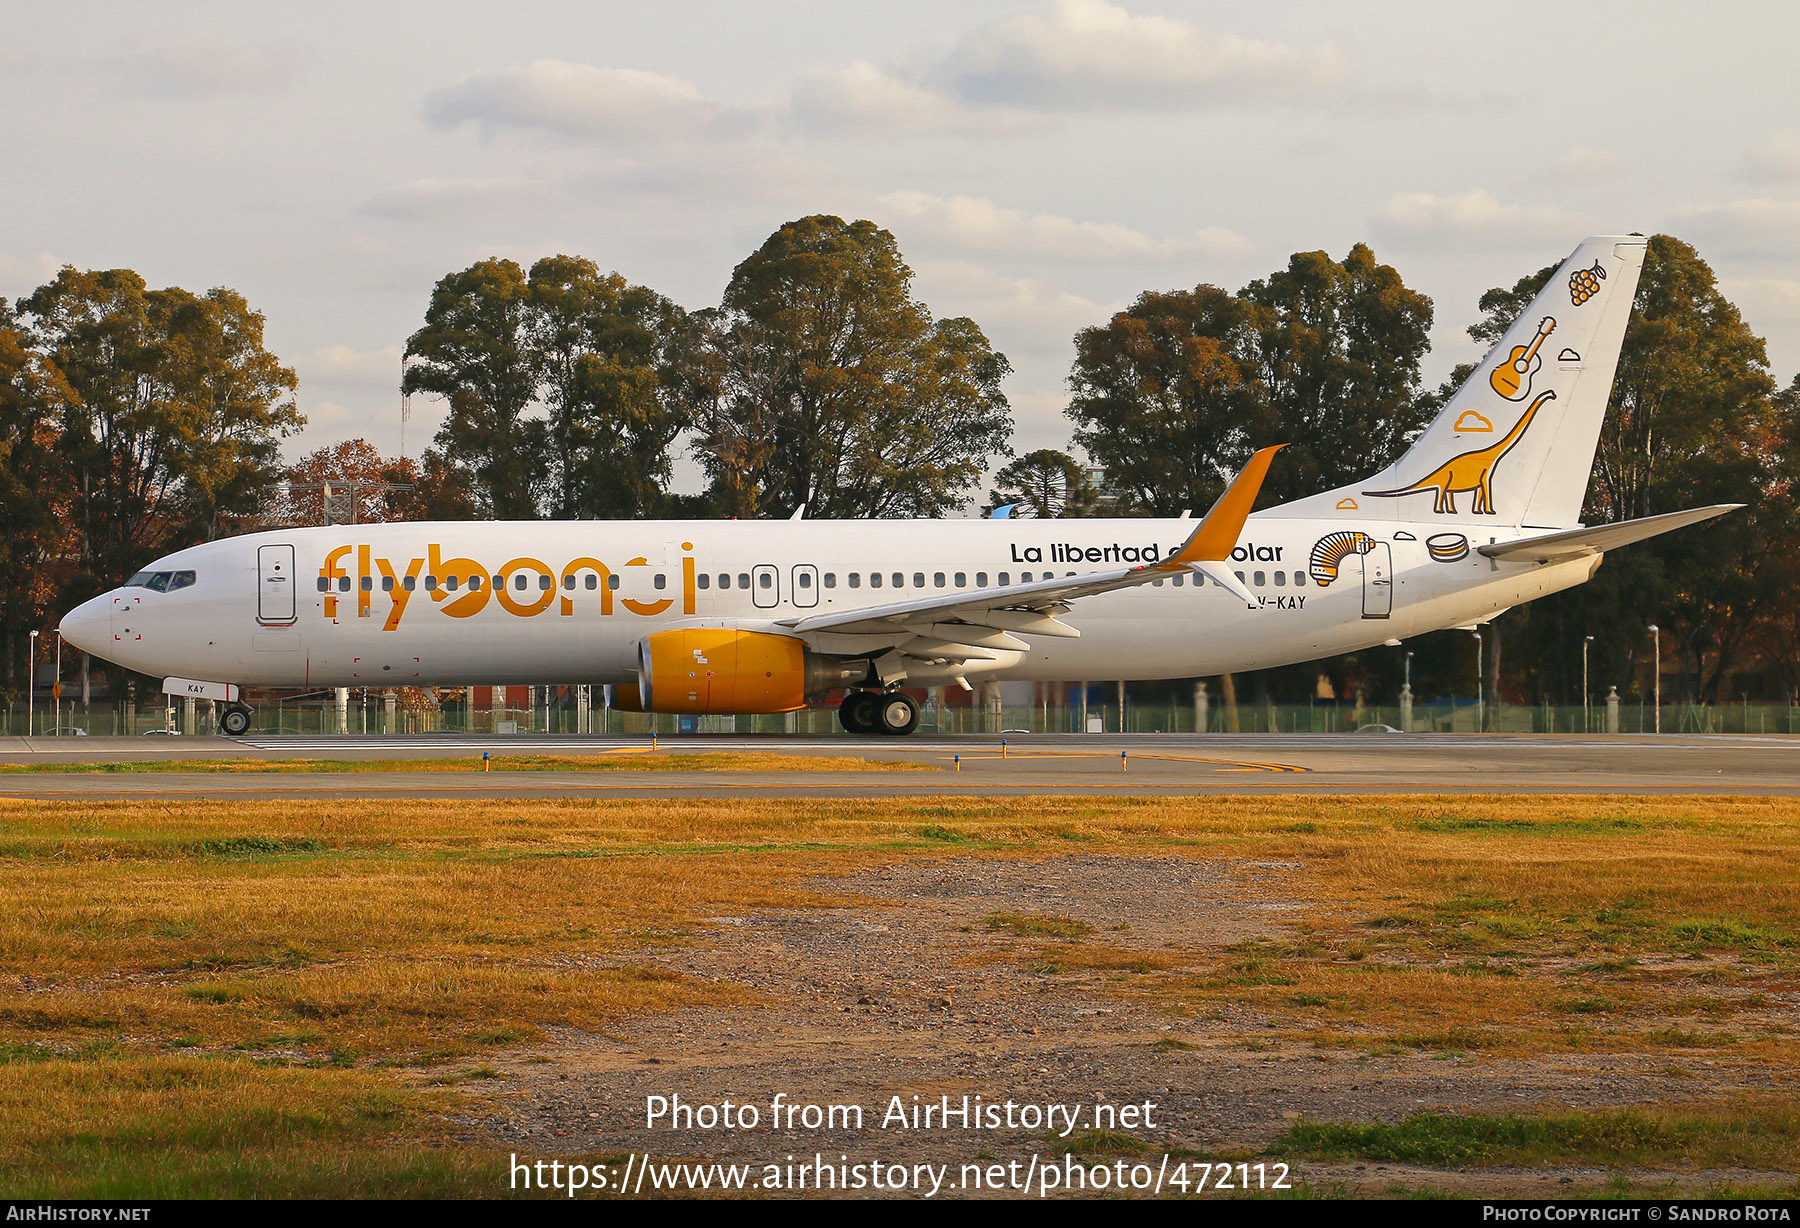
<point>1515,443</point>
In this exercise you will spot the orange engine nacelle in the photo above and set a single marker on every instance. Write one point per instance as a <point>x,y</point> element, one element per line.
<point>719,670</point>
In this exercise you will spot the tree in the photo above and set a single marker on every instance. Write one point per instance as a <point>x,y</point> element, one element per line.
<point>611,355</point>
<point>1172,395</point>
<point>363,472</point>
<point>1044,484</point>
<point>833,389</point>
<point>1166,399</point>
<point>171,420</point>
<point>474,349</point>
<point>33,479</point>
<point>1337,349</point>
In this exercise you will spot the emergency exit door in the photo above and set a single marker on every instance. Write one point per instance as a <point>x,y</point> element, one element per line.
<point>275,584</point>
<point>1378,582</point>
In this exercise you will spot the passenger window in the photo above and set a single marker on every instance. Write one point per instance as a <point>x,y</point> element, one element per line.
<point>661,581</point>
<point>1178,579</point>
<point>543,581</point>
<point>806,579</point>
<point>591,582</point>
<point>612,583</point>
<point>937,579</point>
<point>1299,579</point>
<point>568,582</point>
<point>1025,577</point>
<point>431,584</point>
<point>324,584</point>
<point>1281,579</point>
<point>919,579</point>
<point>831,579</point>
<point>1004,580</point>
<point>343,584</point>
<point>874,579</point>
<point>900,580</point>
<point>764,580</point>
<point>981,579</point>
<point>724,580</point>
<point>1259,578</point>
<point>451,583</point>
<point>703,580</point>
<point>1156,584</point>
<point>1239,575</point>
<point>856,579</point>
<point>408,583</point>
<point>476,583</point>
<point>743,579</point>
<point>962,579</point>
<point>368,584</point>
<point>518,581</point>
<point>387,584</point>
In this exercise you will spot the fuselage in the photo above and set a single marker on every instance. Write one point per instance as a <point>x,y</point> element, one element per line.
<point>445,604</point>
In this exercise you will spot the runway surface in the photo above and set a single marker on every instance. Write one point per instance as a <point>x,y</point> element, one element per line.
<point>1141,765</point>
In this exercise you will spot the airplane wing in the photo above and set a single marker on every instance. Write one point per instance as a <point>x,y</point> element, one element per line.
<point>1597,539</point>
<point>973,625</point>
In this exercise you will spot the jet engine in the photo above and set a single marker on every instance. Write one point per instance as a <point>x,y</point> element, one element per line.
<point>722,670</point>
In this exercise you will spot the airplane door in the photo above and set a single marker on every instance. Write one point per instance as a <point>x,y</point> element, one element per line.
<point>275,584</point>
<point>1378,582</point>
<point>765,586</point>
<point>804,588</point>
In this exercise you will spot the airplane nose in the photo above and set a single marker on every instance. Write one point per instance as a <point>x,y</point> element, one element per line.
<point>89,625</point>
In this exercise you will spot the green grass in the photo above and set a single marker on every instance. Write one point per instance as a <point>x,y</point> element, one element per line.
<point>1746,1136</point>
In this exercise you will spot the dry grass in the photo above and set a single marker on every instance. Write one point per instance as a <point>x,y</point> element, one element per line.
<point>274,958</point>
<point>604,761</point>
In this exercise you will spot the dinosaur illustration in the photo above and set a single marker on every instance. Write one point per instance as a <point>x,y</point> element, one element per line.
<point>1470,472</point>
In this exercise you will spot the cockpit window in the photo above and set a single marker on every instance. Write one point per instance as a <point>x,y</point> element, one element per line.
<point>161,581</point>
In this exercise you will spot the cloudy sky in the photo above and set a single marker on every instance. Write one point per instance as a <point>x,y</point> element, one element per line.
<point>1040,163</point>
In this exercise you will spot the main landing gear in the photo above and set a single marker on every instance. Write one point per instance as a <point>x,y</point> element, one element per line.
<point>889,712</point>
<point>234,721</point>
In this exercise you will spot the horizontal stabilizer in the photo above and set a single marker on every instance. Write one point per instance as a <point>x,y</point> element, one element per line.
<point>1576,543</point>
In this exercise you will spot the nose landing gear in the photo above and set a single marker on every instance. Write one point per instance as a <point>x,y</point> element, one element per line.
<point>234,721</point>
<point>885,712</point>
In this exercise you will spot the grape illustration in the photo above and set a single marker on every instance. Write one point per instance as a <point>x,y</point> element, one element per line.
<point>1584,284</point>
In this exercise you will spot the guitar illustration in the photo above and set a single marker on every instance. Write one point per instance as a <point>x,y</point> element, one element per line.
<point>1470,473</point>
<point>1512,378</point>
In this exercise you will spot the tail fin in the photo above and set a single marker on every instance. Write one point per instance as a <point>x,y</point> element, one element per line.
<point>1502,447</point>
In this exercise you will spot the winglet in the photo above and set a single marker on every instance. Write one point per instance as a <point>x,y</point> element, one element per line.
<point>1217,535</point>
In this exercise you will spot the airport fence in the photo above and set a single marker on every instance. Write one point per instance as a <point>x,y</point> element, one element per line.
<point>370,716</point>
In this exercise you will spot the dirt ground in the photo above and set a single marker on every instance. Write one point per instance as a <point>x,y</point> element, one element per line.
<point>907,989</point>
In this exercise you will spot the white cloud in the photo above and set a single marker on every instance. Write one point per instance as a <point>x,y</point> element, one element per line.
<point>624,105</point>
<point>1088,54</point>
<point>20,275</point>
<point>1018,314</point>
<point>344,366</point>
<point>436,199</point>
<point>868,101</point>
<point>1585,164</point>
<point>1751,228</point>
<point>1473,217</point>
<point>1776,159</point>
<point>977,224</point>
<point>201,66</point>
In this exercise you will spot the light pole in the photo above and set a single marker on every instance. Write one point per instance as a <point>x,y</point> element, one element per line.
<point>1409,672</point>
<point>56,688</point>
<point>1656,673</point>
<point>1480,691</point>
<point>1587,725</point>
<point>30,689</point>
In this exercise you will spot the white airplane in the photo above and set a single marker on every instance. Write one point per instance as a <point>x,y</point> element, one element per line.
<point>1481,514</point>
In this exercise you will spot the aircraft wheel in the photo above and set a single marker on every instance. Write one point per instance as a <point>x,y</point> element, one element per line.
<point>857,714</point>
<point>897,714</point>
<point>235,721</point>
